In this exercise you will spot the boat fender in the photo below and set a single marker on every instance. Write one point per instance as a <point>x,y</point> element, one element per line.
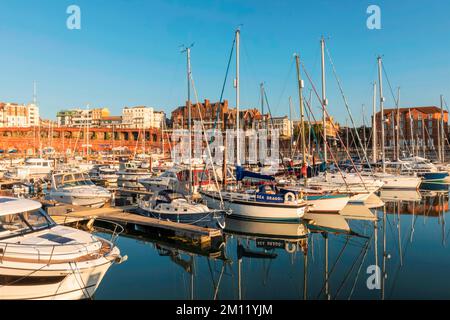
<point>290,247</point>
<point>289,197</point>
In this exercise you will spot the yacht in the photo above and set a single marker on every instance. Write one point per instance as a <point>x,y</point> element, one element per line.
<point>173,206</point>
<point>42,260</point>
<point>77,189</point>
<point>104,174</point>
<point>129,175</point>
<point>33,168</point>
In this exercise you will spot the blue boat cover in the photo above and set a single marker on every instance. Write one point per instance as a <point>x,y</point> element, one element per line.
<point>241,174</point>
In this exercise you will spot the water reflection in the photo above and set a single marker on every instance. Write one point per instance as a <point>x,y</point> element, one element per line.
<point>326,257</point>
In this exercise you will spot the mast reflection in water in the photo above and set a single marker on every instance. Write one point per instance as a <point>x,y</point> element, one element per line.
<point>325,257</point>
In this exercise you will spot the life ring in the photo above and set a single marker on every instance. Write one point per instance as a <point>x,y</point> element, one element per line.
<point>290,247</point>
<point>289,197</point>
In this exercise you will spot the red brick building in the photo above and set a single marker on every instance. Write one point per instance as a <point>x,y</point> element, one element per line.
<point>250,118</point>
<point>418,125</point>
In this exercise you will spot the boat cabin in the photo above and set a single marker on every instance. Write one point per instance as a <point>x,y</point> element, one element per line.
<point>21,216</point>
<point>64,180</point>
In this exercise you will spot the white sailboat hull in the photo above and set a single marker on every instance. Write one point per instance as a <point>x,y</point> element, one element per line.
<point>256,211</point>
<point>328,205</point>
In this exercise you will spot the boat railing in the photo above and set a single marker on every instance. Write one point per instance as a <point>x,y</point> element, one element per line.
<point>48,250</point>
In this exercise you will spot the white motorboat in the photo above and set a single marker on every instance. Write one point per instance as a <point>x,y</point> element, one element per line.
<point>77,189</point>
<point>129,175</point>
<point>42,260</point>
<point>33,168</point>
<point>173,206</point>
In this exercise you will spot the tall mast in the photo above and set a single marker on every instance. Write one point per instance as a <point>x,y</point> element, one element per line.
<point>442,130</point>
<point>189,105</point>
<point>291,127</point>
<point>34,124</point>
<point>302,122</point>
<point>324,100</point>
<point>238,140</point>
<point>397,141</point>
<point>262,98</point>
<point>364,128</point>
<point>374,123</point>
<point>380,80</point>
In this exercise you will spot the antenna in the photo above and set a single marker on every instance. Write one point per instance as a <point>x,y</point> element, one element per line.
<point>34,93</point>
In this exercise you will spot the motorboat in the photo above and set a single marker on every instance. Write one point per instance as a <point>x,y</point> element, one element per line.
<point>42,260</point>
<point>172,206</point>
<point>129,175</point>
<point>77,189</point>
<point>104,174</point>
<point>33,168</point>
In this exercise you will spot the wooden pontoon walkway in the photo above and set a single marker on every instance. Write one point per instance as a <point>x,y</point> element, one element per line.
<point>122,216</point>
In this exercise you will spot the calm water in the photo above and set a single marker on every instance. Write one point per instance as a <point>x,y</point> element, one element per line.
<point>325,259</point>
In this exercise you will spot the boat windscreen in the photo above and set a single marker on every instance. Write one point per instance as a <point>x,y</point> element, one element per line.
<point>17,224</point>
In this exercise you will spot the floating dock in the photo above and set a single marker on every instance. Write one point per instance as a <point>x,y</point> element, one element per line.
<point>122,216</point>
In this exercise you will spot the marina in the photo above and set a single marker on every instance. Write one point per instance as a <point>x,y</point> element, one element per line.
<point>224,153</point>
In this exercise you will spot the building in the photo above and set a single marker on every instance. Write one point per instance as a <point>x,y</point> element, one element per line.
<point>419,126</point>
<point>142,117</point>
<point>18,115</point>
<point>283,124</point>
<point>33,115</point>
<point>81,117</point>
<point>332,127</point>
<point>109,122</point>
<point>217,115</point>
<point>205,111</point>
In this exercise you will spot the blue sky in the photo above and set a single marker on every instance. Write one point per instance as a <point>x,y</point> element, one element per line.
<point>127,52</point>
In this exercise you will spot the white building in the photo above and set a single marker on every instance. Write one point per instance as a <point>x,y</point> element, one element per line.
<point>18,115</point>
<point>33,115</point>
<point>283,124</point>
<point>142,117</point>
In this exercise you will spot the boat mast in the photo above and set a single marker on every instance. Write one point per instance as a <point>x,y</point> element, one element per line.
<point>302,122</point>
<point>324,100</point>
<point>291,126</point>
<point>238,140</point>
<point>380,80</point>
<point>411,124</point>
<point>364,128</point>
<point>189,105</point>
<point>374,123</point>
<point>397,143</point>
<point>442,130</point>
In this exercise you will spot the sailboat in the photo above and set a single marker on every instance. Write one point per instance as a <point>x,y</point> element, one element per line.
<point>168,204</point>
<point>391,181</point>
<point>267,203</point>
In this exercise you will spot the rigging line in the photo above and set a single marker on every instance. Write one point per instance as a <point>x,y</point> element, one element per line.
<point>395,101</point>
<point>206,140</point>
<point>394,282</point>
<point>310,113</point>
<point>334,265</point>
<point>363,250</point>
<point>357,275</point>
<point>286,81</point>
<point>327,144</point>
<point>271,119</point>
<point>347,107</point>
<point>335,129</point>
<point>221,97</point>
